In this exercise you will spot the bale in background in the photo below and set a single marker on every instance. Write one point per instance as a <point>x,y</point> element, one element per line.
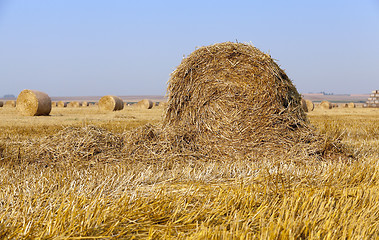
<point>33,103</point>
<point>53,104</point>
<point>84,104</point>
<point>351,105</point>
<point>10,103</point>
<point>326,105</point>
<point>73,104</point>
<point>111,103</point>
<point>145,104</point>
<point>61,104</point>
<point>1,104</point>
<point>310,105</point>
<point>344,105</point>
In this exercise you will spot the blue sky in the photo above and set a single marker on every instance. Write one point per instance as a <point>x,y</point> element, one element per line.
<point>93,47</point>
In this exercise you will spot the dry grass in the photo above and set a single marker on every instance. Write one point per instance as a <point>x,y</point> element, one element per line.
<point>182,197</point>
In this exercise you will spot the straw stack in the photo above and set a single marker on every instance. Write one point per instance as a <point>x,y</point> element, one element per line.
<point>373,100</point>
<point>33,103</point>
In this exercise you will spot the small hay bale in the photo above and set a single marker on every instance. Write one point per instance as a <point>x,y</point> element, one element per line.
<point>310,105</point>
<point>85,104</point>
<point>33,103</point>
<point>145,104</point>
<point>1,104</point>
<point>53,104</point>
<point>111,103</point>
<point>326,105</point>
<point>351,105</point>
<point>10,103</point>
<point>344,105</point>
<point>74,104</point>
<point>61,104</point>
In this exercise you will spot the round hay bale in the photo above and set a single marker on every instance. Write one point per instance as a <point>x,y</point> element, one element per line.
<point>145,104</point>
<point>53,104</point>
<point>85,104</point>
<point>304,105</point>
<point>310,105</point>
<point>326,105</point>
<point>33,103</point>
<point>74,104</point>
<point>10,103</point>
<point>1,104</point>
<point>234,96</point>
<point>111,103</point>
<point>61,104</point>
<point>351,105</point>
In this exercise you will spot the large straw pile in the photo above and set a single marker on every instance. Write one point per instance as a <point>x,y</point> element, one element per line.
<point>234,97</point>
<point>33,103</point>
<point>226,102</point>
<point>145,104</point>
<point>111,103</point>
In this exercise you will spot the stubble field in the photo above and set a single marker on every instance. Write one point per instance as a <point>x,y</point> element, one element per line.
<point>270,198</point>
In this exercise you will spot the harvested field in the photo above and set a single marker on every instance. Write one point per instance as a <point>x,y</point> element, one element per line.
<point>84,177</point>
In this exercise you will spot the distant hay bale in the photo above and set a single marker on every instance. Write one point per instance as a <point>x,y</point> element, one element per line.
<point>351,105</point>
<point>61,104</point>
<point>326,105</point>
<point>162,104</point>
<point>111,103</point>
<point>84,104</point>
<point>1,104</point>
<point>145,104</point>
<point>334,105</point>
<point>344,105</point>
<point>33,103</point>
<point>10,103</point>
<point>236,97</point>
<point>53,104</point>
<point>310,105</point>
<point>74,104</point>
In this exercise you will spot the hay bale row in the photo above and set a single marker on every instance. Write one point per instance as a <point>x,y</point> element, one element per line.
<point>144,104</point>
<point>74,104</point>
<point>111,103</point>
<point>33,103</point>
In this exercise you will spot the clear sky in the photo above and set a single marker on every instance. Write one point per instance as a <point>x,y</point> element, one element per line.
<point>120,47</point>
